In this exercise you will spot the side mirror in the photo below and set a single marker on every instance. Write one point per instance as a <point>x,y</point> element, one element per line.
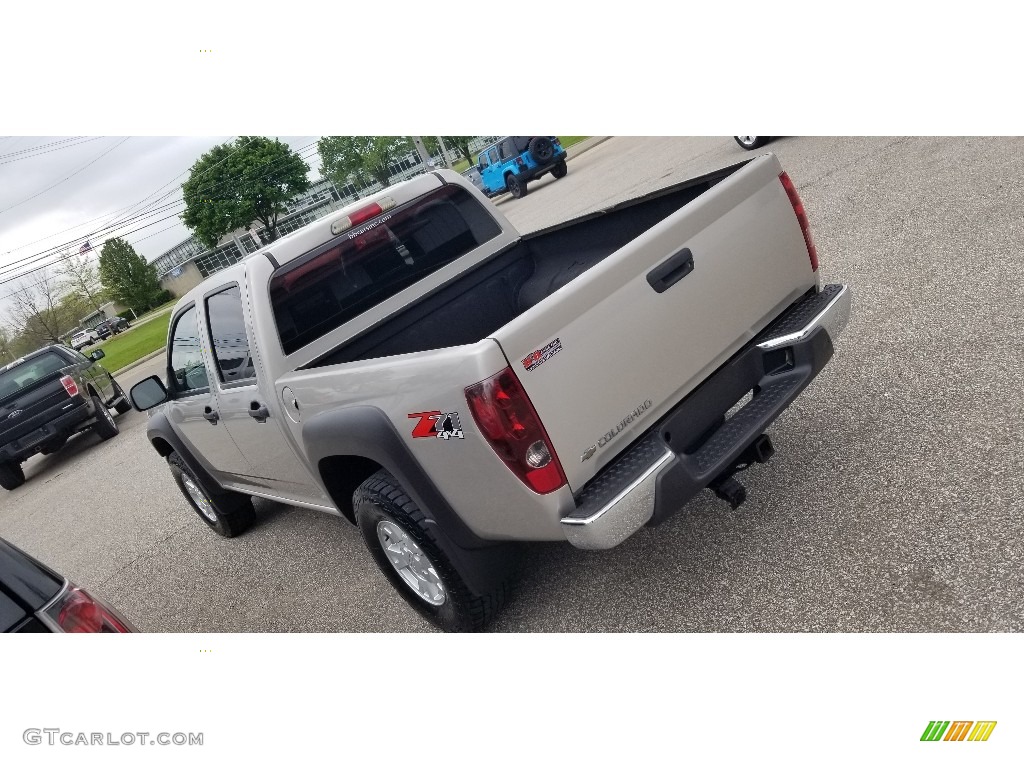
<point>148,393</point>
<point>97,354</point>
<point>480,167</point>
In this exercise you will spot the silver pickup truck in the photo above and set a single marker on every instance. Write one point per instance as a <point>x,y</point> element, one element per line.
<point>452,387</point>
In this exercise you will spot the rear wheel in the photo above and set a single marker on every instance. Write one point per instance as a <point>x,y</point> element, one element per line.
<point>405,549</point>
<point>228,513</point>
<point>11,475</point>
<point>560,170</point>
<point>515,186</point>
<point>105,428</point>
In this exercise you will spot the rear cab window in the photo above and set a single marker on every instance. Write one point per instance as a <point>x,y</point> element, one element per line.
<point>19,376</point>
<point>325,288</point>
<point>228,338</point>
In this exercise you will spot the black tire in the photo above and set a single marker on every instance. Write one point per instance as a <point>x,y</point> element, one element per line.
<point>560,170</point>
<point>380,499</point>
<point>121,402</point>
<point>11,475</point>
<point>105,426</point>
<point>751,142</point>
<point>515,186</point>
<point>542,149</point>
<point>231,513</point>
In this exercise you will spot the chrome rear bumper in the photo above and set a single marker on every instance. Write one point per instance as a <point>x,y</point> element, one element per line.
<point>664,470</point>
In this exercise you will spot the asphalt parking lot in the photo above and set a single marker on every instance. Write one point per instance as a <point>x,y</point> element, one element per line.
<point>893,503</point>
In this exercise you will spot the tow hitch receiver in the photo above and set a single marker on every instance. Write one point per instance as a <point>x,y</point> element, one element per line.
<point>758,451</point>
<point>728,488</point>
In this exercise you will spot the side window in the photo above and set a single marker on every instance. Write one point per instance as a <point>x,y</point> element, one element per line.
<point>229,341</point>
<point>186,354</point>
<point>493,154</point>
<point>483,161</point>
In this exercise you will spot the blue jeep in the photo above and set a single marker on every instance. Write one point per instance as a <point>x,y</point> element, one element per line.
<point>508,164</point>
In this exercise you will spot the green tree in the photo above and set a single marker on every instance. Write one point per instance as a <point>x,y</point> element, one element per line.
<point>82,276</point>
<point>236,184</point>
<point>127,277</point>
<point>458,143</point>
<point>360,158</point>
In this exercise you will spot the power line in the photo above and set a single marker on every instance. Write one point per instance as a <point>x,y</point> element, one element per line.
<point>62,231</point>
<point>118,211</point>
<point>178,177</point>
<point>112,215</point>
<point>152,212</point>
<point>37,147</point>
<point>47,253</point>
<point>34,153</point>
<point>142,215</point>
<point>154,234</point>
<point>129,219</point>
<point>71,254</point>
<point>66,178</point>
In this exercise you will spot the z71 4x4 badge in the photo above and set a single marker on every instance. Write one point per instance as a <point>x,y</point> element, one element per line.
<point>538,357</point>
<point>437,424</point>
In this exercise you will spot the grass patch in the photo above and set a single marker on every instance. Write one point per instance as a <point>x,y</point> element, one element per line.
<point>135,343</point>
<point>156,311</point>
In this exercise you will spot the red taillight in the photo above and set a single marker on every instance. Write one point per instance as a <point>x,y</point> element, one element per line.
<point>507,420</point>
<point>801,216</point>
<point>69,385</point>
<point>78,611</point>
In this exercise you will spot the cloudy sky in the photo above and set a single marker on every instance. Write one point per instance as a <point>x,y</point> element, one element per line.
<point>58,191</point>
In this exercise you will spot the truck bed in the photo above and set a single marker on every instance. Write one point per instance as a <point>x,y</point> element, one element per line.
<point>489,297</point>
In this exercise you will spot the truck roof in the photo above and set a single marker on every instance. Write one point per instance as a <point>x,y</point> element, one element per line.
<point>30,355</point>
<point>314,234</point>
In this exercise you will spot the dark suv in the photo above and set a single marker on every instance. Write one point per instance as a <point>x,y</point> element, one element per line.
<point>48,396</point>
<point>508,164</point>
<point>112,326</point>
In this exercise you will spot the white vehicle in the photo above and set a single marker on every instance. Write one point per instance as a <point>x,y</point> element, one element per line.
<point>84,338</point>
<point>414,364</point>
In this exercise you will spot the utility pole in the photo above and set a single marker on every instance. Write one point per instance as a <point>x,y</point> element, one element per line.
<point>422,149</point>
<point>444,152</point>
